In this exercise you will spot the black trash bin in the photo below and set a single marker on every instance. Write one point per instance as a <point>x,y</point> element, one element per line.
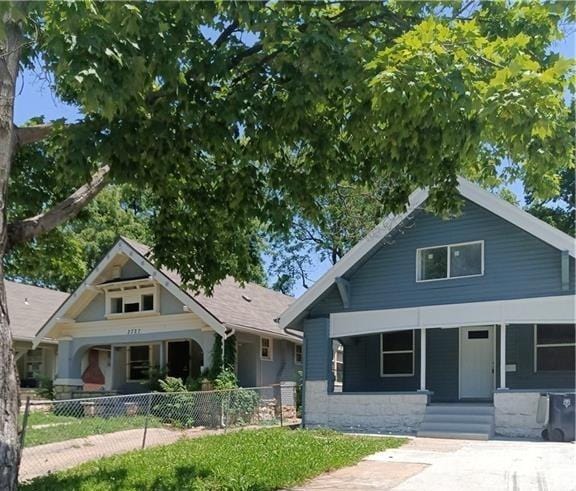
<point>560,427</point>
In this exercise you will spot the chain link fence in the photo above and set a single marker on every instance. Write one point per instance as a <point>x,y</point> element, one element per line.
<point>61,434</point>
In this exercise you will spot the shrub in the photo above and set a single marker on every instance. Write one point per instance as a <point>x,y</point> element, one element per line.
<point>45,388</point>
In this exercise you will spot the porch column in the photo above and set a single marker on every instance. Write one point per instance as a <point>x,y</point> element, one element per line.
<point>502,356</point>
<point>423,359</point>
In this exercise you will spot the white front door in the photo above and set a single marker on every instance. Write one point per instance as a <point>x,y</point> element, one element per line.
<point>476,362</point>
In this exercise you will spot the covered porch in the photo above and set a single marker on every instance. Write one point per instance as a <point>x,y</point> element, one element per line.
<point>126,364</point>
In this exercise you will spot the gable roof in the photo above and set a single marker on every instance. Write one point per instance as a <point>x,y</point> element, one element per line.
<point>250,306</point>
<point>468,190</point>
<point>29,307</point>
<point>227,307</point>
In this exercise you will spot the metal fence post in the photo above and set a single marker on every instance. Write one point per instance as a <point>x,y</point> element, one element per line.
<point>24,422</point>
<point>146,420</point>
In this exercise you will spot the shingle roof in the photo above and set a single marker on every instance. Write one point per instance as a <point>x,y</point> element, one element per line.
<point>250,306</point>
<point>29,307</point>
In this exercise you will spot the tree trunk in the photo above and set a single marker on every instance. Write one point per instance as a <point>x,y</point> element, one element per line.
<point>9,397</point>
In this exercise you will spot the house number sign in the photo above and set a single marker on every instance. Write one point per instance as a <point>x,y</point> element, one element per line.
<point>134,331</point>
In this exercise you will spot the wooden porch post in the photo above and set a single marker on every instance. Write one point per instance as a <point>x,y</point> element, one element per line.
<point>502,355</point>
<point>423,359</point>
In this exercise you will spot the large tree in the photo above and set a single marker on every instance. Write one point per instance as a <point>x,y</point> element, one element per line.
<point>237,115</point>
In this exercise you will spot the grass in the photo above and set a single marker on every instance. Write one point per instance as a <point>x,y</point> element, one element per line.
<point>254,460</point>
<point>68,427</point>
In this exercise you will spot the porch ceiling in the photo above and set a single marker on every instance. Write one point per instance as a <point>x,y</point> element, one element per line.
<point>553,310</point>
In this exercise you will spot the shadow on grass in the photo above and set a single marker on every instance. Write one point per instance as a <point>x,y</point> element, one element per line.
<point>181,478</point>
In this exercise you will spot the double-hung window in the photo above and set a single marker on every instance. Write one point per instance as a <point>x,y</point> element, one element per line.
<point>266,348</point>
<point>450,261</point>
<point>555,345</point>
<point>397,354</point>
<point>138,362</point>
<point>298,354</point>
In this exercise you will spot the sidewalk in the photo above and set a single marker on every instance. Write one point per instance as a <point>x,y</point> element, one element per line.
<point>445,465</point>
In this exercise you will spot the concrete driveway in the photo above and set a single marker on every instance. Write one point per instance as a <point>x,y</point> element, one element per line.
<point>431,464</point>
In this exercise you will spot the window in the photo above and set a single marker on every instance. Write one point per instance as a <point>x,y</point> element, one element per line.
<point>147,302</point>
<point>138,362</point>
<point>132,299</point>
<point>450,261</point>
<point>338,362</point>
<point>266,348</point>
<point>397,356</point>
<point>116,305</point>
<point>298,354</point>
<point>555,345</point>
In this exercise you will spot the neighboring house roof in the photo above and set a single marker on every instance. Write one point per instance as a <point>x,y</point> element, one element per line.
<point>29,307</point>
<point>250,306</point>
<point>468,190</point>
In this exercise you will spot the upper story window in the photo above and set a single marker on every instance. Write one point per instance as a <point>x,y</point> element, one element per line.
<point>266,348</point>
<point>450,261</point>
<point>132,299</point>
<point>555,346</point>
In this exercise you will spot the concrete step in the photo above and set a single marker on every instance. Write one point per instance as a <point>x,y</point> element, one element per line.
<point>458,418</point>
<point>457,427</point>
<point>454,435</point>
<point>460,409</point>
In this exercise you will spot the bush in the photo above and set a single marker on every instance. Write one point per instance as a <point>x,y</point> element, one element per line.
<point>45,388</point>
<point>176,409</point>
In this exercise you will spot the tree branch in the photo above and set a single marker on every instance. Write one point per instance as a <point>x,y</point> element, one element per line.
<point>32,134</point>
<point>29,228</point>
<point>225,34</point>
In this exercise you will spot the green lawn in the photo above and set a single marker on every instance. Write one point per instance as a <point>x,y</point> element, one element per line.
<point>255,460</point>
<point>68,427</point>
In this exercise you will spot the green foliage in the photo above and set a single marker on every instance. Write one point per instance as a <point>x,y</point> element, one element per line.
<point>262,459</point>
<point>45,387</point>
<point>172,384</point>
<point>232,130</point>
<point>218,365</point>
<point>226,380</point>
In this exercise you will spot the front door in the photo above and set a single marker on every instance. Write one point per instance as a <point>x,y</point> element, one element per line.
<point>476,362</point>
<point>179,359</point>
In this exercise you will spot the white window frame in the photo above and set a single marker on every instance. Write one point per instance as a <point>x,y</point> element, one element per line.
<point>270,347</point>
<point>129,361</point>
<point>382,353</point>
<point>448,247</point>
<point>335,362</point>
<point>122,292</point>
<point>555,345</point>
<point>298,347</point>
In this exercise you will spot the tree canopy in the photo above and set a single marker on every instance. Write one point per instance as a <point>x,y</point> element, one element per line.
<point>234,115</point>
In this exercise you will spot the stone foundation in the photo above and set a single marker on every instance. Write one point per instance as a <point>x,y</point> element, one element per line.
<point>377,412</point>
<point>515,414</point>
<point>62,392</point>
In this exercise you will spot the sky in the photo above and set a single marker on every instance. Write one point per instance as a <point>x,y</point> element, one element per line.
<point>35,98</point>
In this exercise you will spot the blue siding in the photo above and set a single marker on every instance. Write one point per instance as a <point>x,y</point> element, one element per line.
<point>520,351</point>
<point>442,363</point>
<point>318,352</point>
<point>362,367</point>
<point>517,265</point>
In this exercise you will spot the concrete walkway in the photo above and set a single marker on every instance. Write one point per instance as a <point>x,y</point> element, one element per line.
<point>443,465</point>
<point>52,457</point>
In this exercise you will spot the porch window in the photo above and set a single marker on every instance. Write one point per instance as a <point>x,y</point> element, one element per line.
<point>338,362</point>
<point>298,354</point>
<point>555,345</point>
<point>266,348</point>
<point>138,362</point>
<point>397,354</point>
<point>450,261</point>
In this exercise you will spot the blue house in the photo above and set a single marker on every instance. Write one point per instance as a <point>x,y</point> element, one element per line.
<point>442,327</point>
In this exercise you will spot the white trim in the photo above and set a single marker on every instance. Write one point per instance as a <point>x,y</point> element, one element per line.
<point>503,328</point>
<point>270,347</point>
<point>397,352</point>
<point>541,310</point>
<point>448,261</point>
<point>124,248</point>
<point>422,359</point>
<point>553,345</point>
<point>468,190</point>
